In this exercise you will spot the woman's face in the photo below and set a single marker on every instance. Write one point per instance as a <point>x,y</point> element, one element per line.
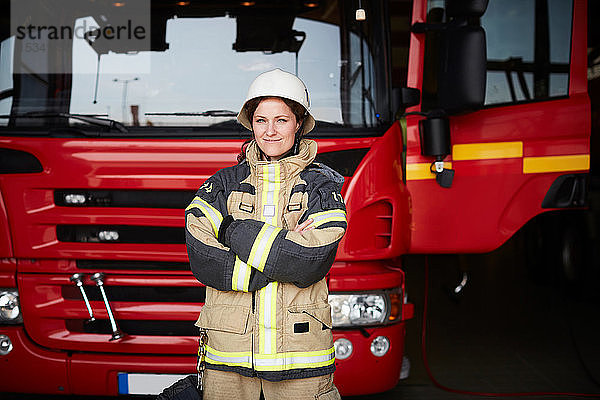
<point>274,125</point>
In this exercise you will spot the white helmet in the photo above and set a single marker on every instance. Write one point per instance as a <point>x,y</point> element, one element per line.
<point>278,83</point>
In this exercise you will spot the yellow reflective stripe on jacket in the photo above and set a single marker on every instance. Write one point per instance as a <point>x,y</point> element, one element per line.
<point>241,275</point>
<point>271,186</point>
<point>213,215</point>
<point>272,362</point>
<point>323,217</point>
<point>262,246</point>
<point>268,319</point>
<point>294,360</point>
<point>271,183</point>
<point>234,359</point>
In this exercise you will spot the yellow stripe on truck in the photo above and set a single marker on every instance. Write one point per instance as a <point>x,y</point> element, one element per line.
<point>418,171</point>
<point>499,151</point>
<point>532,165</point>
<point>487,151</point>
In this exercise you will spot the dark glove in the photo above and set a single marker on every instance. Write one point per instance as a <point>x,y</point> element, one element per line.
<point>223,228</point>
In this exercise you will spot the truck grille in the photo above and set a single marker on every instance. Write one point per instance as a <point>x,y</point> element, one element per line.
<point>100,265</point>
<point>134,327</point>
<point>120,234</point>
<point>178,199</point>
<point>114,206</point>
<point>139,294</point>
<point>155,311</point>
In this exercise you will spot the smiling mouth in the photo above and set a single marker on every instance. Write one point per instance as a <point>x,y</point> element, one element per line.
<point>272,140</point>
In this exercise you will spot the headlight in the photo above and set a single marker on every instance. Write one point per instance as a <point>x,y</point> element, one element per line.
<point>343,348</point>
<point>380,346</point>
<point>358,309</point>
<point>10,312</point>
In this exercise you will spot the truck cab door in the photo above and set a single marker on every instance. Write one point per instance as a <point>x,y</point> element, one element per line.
<point>478,169</point>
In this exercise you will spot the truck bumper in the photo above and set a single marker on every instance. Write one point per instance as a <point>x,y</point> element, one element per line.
<point>98,374</point>
<point>364,373</point>
<point>29,368</point>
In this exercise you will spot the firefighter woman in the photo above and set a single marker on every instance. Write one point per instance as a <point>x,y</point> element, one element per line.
<point>261,236</point>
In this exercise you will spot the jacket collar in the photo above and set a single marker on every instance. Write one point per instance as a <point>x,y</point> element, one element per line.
<point>290,166</point>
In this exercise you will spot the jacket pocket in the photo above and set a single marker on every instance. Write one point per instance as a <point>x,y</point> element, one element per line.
<point>241,205</point>
<point>320,313</point>
<point>224,318</point>
<point>307,328</point>
<point>294,209</point>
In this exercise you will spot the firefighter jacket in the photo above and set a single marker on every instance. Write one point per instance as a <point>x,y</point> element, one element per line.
<point>266,308</point>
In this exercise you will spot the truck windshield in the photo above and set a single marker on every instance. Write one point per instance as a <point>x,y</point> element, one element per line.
<point>199,65</point>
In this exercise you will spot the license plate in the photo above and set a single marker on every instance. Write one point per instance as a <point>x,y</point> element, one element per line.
<point>146,383</point>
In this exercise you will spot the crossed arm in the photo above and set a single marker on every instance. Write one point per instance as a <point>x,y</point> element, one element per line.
<point>248,254</point>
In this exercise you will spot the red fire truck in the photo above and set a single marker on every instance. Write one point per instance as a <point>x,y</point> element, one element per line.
<point>113,113</point>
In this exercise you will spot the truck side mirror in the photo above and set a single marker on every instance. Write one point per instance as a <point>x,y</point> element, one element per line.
<point>462,69</point>
<point>465,8</point>
<point>405,97</point>
<point>410,97</point>
<point>435,137</point>
<point>456,76</point>
<point>456,56</point>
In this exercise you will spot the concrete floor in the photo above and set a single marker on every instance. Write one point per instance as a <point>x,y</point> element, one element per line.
<point>507,333</point>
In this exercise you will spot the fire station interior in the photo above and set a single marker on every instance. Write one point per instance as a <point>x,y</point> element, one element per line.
<point>521,321</point>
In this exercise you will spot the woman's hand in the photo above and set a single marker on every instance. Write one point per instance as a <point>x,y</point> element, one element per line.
<point>305,226</point>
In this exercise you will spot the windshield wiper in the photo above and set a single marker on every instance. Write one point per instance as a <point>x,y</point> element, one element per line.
<point>209,113</point>
<point>109,123</point>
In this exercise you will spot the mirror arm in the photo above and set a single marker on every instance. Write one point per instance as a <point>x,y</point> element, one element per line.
<point>434,134</point>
